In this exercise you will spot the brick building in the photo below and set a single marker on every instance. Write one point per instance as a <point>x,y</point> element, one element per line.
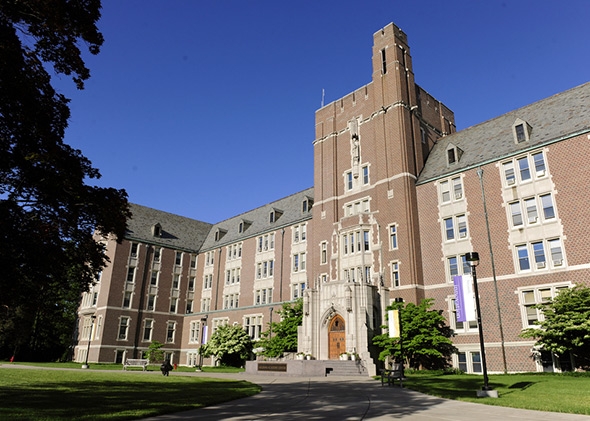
<point>399,197</point>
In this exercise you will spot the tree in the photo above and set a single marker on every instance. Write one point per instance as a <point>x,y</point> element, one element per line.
<point>155,353</point>
<point>231,345</point>
<point>425,337</point>
<point>47,211</point>
<point>566,326</point>
<point>284,332</point>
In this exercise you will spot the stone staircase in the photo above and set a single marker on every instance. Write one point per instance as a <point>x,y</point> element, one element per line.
<point>345,368</point>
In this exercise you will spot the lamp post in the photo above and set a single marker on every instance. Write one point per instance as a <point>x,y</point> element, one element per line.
<point>85,365</point>
<point>473,260</point>
<point>203,333</point>
<point>401,339</point>
<point>270,333</point>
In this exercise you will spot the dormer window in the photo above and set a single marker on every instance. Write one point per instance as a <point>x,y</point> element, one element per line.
<point>306,205</point>
<point>521,131</point>
<point>453,154</point>
<point>219,234</point>
<point>157,230</point>
<point>274,215</point>
<point>243,226</point>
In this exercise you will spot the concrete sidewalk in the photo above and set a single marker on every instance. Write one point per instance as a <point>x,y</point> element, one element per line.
<point>349,398</point>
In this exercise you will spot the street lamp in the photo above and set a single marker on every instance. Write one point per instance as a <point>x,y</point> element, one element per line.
<point>270,334</point>
<point>203,333</point>
<point>85,365</point>
<point>486,391</point>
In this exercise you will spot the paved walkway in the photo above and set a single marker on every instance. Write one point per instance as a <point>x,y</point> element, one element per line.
<point>350,398</point>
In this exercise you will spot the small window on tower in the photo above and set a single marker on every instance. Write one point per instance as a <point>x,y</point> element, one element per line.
<point>383,62</point>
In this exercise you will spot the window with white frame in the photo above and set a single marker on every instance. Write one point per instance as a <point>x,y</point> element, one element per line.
<point>395,274</point>
<point>173,305</point>
<point>134,248</point>
<point>299,233</point>
<point>357,207</point>
<point>263,296</point>
<point>148,327</point>
<point>451,190</point>
<point>205,304</point>
<point>157,254</point>
<point>253,326</point>
<point>170,331</point>
<point>357,274</point>
<point>178,258</point>
<point>131,275</point>
<point>192,359</point>
<point>323,253</point>
<point>176,282</point>
<point>365,171</point>
<point>232,276</point>
<point>530,297</point>
<point>151,302</point>
<point>526,211</point>
<point>265,242</point>
<point>524,168</point>
<point>297,290</point>
<point>265,269</point>
<point>234,251</point>
<point>189,306</point>
<point>207,281</point>
<point>355,242</point>
<point>123,328</point>
<point>217,322</point>
<point>348,180</point>
<point>457,326</point>
<point>393,237</point>
<point>209,258</point>
<point>455,227</point>
<point>126,299</point>
<point>194,330</point>
<point>457,265</point>
<point>86,328</point>
<point>231,301</point>
<point>193,262</point>
<point>469,362</point>
<point>546,253</point>
<point>154,278</point>
<point>298,262</point>
<point>191,283</point>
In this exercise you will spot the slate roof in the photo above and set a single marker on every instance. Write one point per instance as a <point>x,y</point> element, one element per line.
<point>182,233</point>
<point>290,206</point>
<point>178,232</point>
<point>552,119</point>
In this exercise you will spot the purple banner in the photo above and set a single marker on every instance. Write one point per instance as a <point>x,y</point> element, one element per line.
<point>459,298</point>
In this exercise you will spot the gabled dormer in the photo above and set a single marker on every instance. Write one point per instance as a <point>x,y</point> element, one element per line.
<point>219,233</point>
<point>521,131</point>
<point>454,154</point>
<point>274,215</point>
<point>243,225</point>
<point>157,230</point>
<point>306,204</point>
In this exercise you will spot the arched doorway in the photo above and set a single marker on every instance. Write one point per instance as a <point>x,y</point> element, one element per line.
<point>336,338</point>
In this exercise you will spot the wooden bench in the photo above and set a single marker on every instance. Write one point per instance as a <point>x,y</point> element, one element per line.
<point>135,363</point>
<point>390,376</point>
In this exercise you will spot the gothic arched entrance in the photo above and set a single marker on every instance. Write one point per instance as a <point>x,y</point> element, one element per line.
<point>336,338</point>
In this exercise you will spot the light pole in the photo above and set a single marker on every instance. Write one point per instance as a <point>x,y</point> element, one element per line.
<point>85,365</point>
<point>270,333</point>
<point>486,390</point>
<point>203,333</point>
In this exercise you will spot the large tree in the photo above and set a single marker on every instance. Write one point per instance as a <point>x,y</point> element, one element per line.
<point>231,345</point>
<point>281,336</point>
<point>48,212</point>
<point>565,328</point>
<point>425,337</point>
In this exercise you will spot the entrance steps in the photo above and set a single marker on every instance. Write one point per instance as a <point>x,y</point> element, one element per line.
<point>345,368</point>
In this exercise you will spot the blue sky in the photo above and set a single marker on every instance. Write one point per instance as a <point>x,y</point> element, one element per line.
<point>206,108</point>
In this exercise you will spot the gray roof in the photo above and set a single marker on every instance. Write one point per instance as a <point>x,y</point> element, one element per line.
<point>182,233</point>
<point>177,232</point>
<point>257,220</point>
<point>555,118</point>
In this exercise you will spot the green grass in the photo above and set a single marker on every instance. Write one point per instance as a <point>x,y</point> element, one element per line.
<point>567,393</point>
<point>29,394</point>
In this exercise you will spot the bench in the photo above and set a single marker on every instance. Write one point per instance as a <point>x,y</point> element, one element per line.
<point>135,363</point>
<point>390,376</point>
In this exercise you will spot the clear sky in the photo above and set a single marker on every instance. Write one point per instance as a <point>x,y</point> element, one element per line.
<point>206,108</point>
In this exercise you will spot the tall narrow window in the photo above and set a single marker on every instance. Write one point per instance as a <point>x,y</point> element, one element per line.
<point>324,253</point>
<point>449,229</point>
<point>539,253</point>
<point>393,237</point>
<point>365,175</point>
<point>547,204</point>
<point>462,226</point>
<point>523,257</point>
<point>453,268</point>
<point>509,173</point>
<point>457,188</point>
<point>539,162</point>
<point>395,274</point>
<point>383,62</point>
<point>523,166</point>
<point>516,213</point>
<point>445,191</point>
<point>556,253</point>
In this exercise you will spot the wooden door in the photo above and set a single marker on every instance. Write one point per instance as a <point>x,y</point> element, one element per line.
<point>336,338</point>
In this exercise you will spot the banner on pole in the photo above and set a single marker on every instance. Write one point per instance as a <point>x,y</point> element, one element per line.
<point>464,298</point>
<point>204,338</point>
<point>393,319</point>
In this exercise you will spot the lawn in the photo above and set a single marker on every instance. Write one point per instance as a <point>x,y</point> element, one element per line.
<point>552,392</point>
<point>30,394</point>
